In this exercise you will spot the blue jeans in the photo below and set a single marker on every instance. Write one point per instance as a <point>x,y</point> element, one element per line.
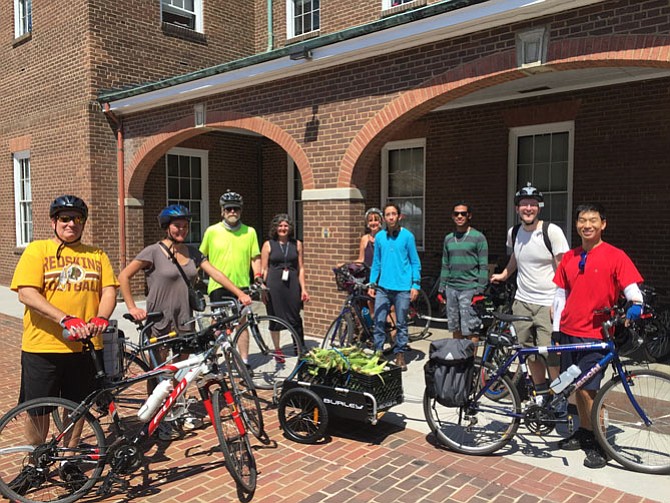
<point>383,300</point>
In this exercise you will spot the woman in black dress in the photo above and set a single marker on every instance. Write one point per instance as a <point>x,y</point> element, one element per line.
<point>281,262</point>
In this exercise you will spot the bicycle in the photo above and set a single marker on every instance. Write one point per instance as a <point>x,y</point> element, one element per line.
<point>35,472</point>
<point>630,412</point>
<point>274,349</point>
<point>350,327</point>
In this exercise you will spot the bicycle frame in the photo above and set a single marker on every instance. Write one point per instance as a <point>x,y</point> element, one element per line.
<point>522,353</point>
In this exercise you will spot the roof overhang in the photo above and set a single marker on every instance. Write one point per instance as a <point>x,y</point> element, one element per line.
<point>386,36</point>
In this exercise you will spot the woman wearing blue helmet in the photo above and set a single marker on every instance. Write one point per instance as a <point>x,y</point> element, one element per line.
<point>167,290</point>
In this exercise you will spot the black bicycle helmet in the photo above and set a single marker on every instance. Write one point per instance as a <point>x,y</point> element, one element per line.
<point>231,199</point>
<point>528,192</point>
<point>67,202</point>
<point>173,212</point>
<point>374,211</point>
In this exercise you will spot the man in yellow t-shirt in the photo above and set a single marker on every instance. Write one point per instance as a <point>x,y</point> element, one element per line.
<point>64,285</point>
<point>232,248</point>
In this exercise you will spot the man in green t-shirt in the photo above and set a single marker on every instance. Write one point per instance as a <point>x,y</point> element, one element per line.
<point>464,272</point>
<point>232,248</point>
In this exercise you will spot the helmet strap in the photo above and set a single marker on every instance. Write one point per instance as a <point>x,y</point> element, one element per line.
<point>63,244</point>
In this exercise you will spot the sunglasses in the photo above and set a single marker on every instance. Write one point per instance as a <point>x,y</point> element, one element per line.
<point>65,219</point>
<point>231,210</point>
<point>582,262</point>
<point>461,213</point>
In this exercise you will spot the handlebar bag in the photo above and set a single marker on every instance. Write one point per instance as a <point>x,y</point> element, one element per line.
<point>449,371</point>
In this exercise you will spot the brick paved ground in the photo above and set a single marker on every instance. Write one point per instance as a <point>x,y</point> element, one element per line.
<point>358,463</point>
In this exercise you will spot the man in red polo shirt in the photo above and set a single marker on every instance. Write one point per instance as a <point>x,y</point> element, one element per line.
<point>590,277</point>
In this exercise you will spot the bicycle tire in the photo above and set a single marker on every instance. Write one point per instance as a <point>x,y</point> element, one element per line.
<point>418,318</point>
<point>302,415</point>
<point>234,444</point>
<point>619,429</point>
<point>657,337</point>
<point>486,431</point>
<point>340,333</point>
<point>44,480</point>
<point>496,357</point>
<point>245,394</point>
<point>272,364</point>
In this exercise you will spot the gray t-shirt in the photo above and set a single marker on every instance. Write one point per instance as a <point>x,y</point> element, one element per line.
<point>535,263</point>
<point>168,292</point>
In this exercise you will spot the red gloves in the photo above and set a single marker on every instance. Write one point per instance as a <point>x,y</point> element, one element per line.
<point>101,323</point>
<point>71,324</point>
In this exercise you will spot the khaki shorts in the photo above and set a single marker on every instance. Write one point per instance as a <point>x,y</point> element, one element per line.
<point>537,332</point>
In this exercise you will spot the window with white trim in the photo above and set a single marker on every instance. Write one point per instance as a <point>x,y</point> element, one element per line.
<point>404,182</point>
<point>388,4</point>
<point>295,206</point>
<point>186,180</point>
<point>302,16</point>
<point>23,199</point>
<point>23,17</point>
<point>543,155</point>
<point>184,13</point>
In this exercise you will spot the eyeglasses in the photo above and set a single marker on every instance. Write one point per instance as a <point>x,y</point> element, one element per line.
<point>65,219</point>
<point>460,213</point>
<point>231,210</point>
<point>582,262</point>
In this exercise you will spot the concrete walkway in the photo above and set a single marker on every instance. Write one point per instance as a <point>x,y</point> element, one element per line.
<point>396,460</point>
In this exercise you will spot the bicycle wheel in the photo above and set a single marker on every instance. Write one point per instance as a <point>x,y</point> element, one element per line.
<point>418,317</point>
<point>31,469</point>
<point>272,355</point>
<point>245,395</point>
<point>496,357</point>
<point>657,337</point>
<point>234,443</point>
<point>340,333</point>
<point>481,427</point>
<point>620,430</point>
<point>303,416</point>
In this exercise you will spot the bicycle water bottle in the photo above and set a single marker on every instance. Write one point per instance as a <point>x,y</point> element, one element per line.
<point>155,400</point>
<point>366,316</point>
<point>565,379</point>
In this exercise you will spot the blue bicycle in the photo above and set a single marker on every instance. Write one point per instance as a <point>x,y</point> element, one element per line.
<point>630,415</point>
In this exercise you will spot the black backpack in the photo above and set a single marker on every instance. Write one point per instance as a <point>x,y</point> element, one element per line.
<point>449,371</point>
<point>545,235</point>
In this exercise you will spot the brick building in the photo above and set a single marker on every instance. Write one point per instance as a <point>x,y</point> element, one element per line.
<point>325,108</point>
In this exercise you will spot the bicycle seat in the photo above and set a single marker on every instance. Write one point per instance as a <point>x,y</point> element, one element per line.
<point>152,317</point>
<point>510,318</point>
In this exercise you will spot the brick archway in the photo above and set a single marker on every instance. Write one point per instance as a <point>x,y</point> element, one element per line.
<point>488,71</point>
<point>171,135</point>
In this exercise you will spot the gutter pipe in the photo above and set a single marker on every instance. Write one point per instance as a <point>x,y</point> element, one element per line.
<point>271,36</point>
<point>121,181</point>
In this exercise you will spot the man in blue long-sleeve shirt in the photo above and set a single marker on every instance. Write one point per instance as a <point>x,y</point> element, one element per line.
<point>396,272</point>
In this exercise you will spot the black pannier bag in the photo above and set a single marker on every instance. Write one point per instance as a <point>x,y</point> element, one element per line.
<point>449,371</point>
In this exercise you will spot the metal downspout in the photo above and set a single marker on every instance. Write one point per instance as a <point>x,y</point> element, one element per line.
<point>271,36</point>
<point>121,181</point>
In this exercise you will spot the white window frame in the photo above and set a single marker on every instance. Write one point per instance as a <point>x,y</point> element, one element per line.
<point>514,134</point>
<point>294,199</point>
<point>388,4</point>
<point>398,145</point>
<point>204,171</point>
<point>22,21</point>
<point>197,13</point>
<point>23,238</point>
<point>290,20</point>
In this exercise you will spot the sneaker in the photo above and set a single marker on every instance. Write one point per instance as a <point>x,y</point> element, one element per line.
<point>191,422</point>
<point>580,439</point>
<point>166,432</point>
<point>72,475</point>
<point>279,357</point>
<point>595,456</point>
<point>28,478</point>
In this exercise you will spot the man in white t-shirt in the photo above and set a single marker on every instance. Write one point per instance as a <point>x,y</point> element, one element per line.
<point>535,256</point>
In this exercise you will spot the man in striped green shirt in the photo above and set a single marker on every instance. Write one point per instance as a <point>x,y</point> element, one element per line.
<point>464,272</point>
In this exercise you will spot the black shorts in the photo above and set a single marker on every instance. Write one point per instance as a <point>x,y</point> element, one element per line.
<point>585,360</point>
<point>65,375</point>
<point>221,294</point>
